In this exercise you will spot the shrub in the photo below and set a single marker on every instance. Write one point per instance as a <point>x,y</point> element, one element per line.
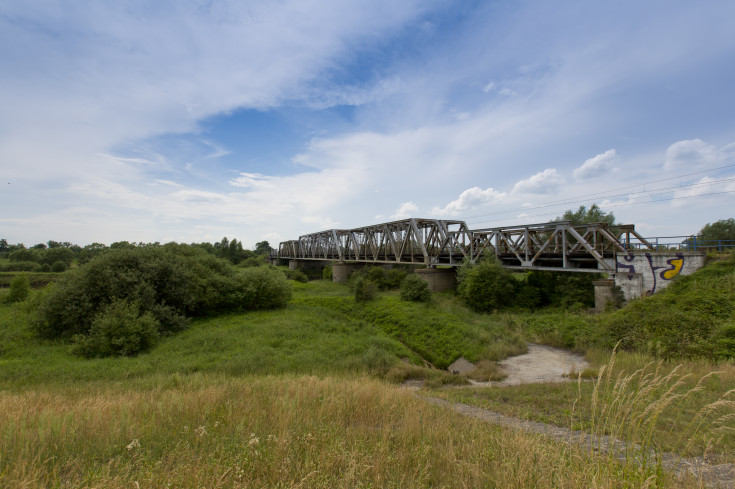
<point>327,273</point>
<point>119,330</point>
<point>365,290</point>
<point>172,282</point>
<point>264,288</point>
<point>59,267</point>
<point>414,288</point>
<point>20,266</point>
<point>20,289</point>
<point>296,275</point>
<point>377,276</point>
<point>486,286</point>
<point>394,278</point>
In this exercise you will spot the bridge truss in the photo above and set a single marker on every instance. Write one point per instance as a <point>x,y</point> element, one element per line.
<point>557,246</point>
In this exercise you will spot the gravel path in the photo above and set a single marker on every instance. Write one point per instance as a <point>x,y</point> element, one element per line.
<point>721,476</point>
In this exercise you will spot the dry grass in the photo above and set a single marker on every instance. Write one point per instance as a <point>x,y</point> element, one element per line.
<point>635,407</point>
<point>210,431</point>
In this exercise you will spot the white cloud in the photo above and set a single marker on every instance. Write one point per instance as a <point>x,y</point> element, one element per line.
<point>405,210</point>
<point>545,182</point>
<point>469,199</point>
<point>691,153</point>
<point>596,166</point>
<point>321,222</point>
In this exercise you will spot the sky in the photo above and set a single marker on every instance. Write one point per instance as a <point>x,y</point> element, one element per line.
<point>189,121</point>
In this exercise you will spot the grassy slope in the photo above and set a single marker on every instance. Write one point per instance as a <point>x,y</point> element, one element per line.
<point>678,322</point>
<point>322,331</point>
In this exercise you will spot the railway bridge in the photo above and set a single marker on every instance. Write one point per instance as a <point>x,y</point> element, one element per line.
<point>440,245</point>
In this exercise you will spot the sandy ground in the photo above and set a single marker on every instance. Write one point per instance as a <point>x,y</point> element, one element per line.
<point>540,364</point>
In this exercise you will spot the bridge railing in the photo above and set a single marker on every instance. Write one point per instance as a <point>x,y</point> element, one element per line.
<point>688,243</point>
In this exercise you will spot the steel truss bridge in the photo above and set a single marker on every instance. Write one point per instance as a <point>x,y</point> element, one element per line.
<point>558,246</point>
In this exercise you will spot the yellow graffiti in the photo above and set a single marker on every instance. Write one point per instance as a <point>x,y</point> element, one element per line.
<point>677,264</point>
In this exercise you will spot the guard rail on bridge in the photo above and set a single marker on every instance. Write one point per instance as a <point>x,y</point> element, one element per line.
<point>557,246</point>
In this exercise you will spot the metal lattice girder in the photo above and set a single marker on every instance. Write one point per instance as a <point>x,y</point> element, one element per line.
<point>548,246</point>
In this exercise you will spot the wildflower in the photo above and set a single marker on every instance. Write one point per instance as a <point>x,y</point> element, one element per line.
<point>133,445</point>
<point>201,431</point>
<point>254,440</point>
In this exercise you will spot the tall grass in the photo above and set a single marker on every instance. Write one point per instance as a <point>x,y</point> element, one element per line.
<point>630,407</point>
<point>204,430</point>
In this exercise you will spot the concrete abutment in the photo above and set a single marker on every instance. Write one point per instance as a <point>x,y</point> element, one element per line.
<point>439,279</point>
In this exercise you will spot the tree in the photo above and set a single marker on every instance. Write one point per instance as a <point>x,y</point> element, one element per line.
<point>263,248</point>
<point>586,216</point>
<point>724,229</point>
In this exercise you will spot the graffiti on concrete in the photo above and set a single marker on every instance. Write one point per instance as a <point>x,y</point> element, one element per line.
<point>632,263</point>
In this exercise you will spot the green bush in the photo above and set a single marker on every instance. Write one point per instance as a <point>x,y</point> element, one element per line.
<point>487,286</point>
<point>59,267</point>
<point>724,341</point>
<point>20,266</point>
<point>296,275</point>
<point>327,273</point>
<point>119,330</point>
<point>394,278</point>
<point>20,289</point>
<point>263,288</point>
<point>172,282</point>
<point>414,288</point>
<point>365,290</point>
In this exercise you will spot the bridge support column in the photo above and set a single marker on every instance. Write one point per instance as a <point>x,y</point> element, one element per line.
<point>604,293</point>
<point>293,264</point>
<point>439,279</point>
<point>341,271</point>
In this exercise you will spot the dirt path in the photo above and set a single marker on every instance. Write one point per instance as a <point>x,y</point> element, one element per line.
<point>547,364</point>
<point>720,476</point>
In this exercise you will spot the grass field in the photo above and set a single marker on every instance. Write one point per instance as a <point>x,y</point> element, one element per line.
<point>306,396</point>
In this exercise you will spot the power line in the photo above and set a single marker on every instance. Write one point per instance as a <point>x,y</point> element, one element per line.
<point>622,204</point>
<point>583,197</point>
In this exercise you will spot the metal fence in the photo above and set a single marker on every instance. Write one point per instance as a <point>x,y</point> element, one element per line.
<point>687,243</point>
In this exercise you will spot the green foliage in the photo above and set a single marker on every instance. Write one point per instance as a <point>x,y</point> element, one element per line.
<point>724,341</point>
<point>723,229</point>
<point>21,266</point>
<point>263,248</point>
<point>414,288</point>
<point>59,266</point>
<point>394,278</point>
<point>327,273</point>
<point>20,289</point>
<point>584,215</point>
<point>118,330</point>
<point>296,275</point>
<point>365,290</point>
<point>544,289</point>
<point>687,319</point>
<point>253,261</point>
<point>262,288</point>
<point>487,286</point>
<point>171,282</point>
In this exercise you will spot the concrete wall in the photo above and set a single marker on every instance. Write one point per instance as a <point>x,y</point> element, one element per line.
<point>439,279</point>
<point>645,273</point>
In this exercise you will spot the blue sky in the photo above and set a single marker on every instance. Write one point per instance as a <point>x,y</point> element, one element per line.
<point>192,120</point>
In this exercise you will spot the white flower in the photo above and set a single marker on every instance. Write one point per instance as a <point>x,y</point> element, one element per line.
<point>201,431</point>
<point>133,445</point>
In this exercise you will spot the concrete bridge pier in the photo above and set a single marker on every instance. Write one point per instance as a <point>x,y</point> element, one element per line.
<point>439,279</point>
<point>341,271</point>
<point>293,264</point>
<point>604,293</point>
